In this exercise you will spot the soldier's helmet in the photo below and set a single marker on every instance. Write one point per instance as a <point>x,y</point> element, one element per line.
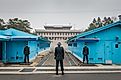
<point>59,43</point>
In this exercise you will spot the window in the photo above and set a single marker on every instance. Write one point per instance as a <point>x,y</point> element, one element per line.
<point>100,59</point>
<point>75,44</point>
<point>38,45</point>
<point>50,38</point>
<point>91,59</point>
<point>116,46</point>
<point>69,44</point>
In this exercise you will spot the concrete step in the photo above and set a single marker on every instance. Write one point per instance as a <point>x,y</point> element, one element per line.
<point>76,70</point>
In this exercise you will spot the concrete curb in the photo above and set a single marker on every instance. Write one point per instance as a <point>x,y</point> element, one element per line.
<point>51,70</point>
<point>72,67</point>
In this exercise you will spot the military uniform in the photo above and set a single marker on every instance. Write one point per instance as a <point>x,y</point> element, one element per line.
<point>59,56</point>
<point>85,53</point>
<point>26,54</point>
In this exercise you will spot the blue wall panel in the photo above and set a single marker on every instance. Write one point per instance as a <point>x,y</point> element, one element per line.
<point>14,51</point>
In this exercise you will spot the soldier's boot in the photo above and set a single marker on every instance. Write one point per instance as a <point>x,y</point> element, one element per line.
<point>62,72</point>
<point>56,72</point>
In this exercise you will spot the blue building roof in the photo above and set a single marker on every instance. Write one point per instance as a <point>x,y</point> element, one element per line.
<point>23,38</point>
<point>16,35</point>
<point>4,38</point>
<point>95,31</point>
<point>43,39</point>
<point>88,39</point>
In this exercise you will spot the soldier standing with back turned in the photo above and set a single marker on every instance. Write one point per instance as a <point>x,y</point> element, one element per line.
<point>59,56</point>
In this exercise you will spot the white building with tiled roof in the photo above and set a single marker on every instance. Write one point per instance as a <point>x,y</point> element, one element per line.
<point>57,32</point>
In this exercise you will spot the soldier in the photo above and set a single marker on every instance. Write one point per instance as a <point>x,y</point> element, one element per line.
<point>26,53</point>
<point>59,56</point>
<point>85,53</point>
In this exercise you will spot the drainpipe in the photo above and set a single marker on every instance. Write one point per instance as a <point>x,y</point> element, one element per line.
<point>4,52</point>
<point>17,55</point>
<point>104,52</point>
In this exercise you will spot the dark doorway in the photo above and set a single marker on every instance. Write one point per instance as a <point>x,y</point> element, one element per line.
<point>0,50</point>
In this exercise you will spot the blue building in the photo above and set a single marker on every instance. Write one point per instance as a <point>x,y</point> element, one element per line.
<point>12,43</point>
<point>104,44</point>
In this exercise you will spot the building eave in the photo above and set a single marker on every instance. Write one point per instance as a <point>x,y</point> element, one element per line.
<point>40,30</point>
<point>99,29</point>
<point>95,30</point>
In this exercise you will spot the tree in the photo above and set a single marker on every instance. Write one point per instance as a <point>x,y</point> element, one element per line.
<point>105,21</point>
<point>114,19</point>
<point>99,22</point>
<point>23,25</point>
<point>98,19</point>
<point>94,20</point>
<point>109,20</point>
<point>91,27</point>
<point>2,24</point>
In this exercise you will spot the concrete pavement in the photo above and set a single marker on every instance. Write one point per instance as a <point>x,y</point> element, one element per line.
<point>107,76</point>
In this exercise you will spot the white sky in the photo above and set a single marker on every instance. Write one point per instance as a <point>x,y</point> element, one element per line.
<point>77,12</point>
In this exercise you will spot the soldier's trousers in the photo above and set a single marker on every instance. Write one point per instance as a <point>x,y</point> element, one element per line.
<point>26,58</point>
<point>85,56</point>
<point>61,65</point>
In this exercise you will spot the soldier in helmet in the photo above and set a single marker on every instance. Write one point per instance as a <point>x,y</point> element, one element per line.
<point>85,53</point>
<point>26,53</point>
<point>59,56</point>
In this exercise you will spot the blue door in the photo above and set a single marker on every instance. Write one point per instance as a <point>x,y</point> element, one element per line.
<point>1,48</point>
<point>108,52</point>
